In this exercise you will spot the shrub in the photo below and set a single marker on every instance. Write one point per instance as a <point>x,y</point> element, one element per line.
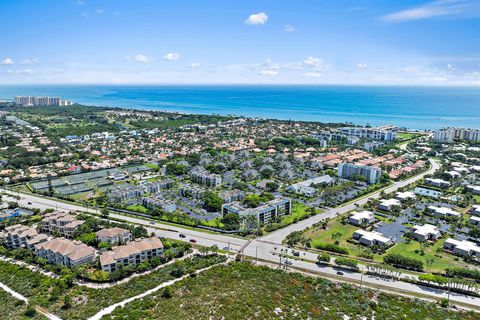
<point>331,247</point>
<point>403,262</point>
<point>347,262</point>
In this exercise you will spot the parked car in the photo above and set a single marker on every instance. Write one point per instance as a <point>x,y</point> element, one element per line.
<point>152,223</point>
<point>296,254</point>
<point>181,235</point>
<point>193,241</point>
<point>340,273</point>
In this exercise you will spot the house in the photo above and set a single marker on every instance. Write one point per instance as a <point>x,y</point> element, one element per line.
<point>405,196</point>
<point>474,189</point>
<point>443,212</point>
<point>388,204</point>
<point>475,221</point>
<point>305,187</point>
<point>475,211</point>
<point>60,222</point>
<point>113,235</point>
<point>462,248</point>
<point>134,253</point>
<point>361,218</point>
<point>265,213</point>
<point>372,238</point>
<point>439,183</point>
<point>65,252</point>
<point>427,232</point>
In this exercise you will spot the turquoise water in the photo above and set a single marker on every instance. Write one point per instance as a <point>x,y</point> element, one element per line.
<point>411,107</point>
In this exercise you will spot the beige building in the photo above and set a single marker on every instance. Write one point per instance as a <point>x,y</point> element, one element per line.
<point>61,251</point>
<point>63,223</point>
<point>132,253</point>
<point>20,236</point>
<point>114,235</point>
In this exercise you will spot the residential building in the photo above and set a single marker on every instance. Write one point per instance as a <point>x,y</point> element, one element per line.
<point>372,238</point>
<point>372,145</point>
<point>389,204</point>
<point>462,248</point>
<point>361,218</point>
<point>202,176</point>
<point>439,183</point>
<point>474,189</point>
<point>474,220</point>
<point>475,211</point>
<point>156,201</point>
<point>134,252</point>
<point>113,235</point>
<point>350,171</point>
<point>265,213</point>
<point>305,187</point>
<point>405,196</point>
<point>61,251</point>
<point>427,232</point>
<point>443,212</point>
<point>231,195</point>
<point>60,222</point>
<point>20,236</point>
<point>40,101</point>
<point>451,134</point>
<point>385,133</point>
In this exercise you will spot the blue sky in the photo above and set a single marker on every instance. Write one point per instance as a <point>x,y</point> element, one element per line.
<point>230,41</point>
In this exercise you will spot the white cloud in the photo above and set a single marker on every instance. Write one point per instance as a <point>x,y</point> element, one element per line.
<point>80,2</point>
<point>451,67</point>
<point>257,19</point>
<point>269,72</point>
<point>7,62</point>
<point>289,28</point>
<point>437,8</point>
<point>85,14</point>
<point>116,13</point>
<point>100,11</point>
<point>313,74</point>
<point>362,66</point>
<point>194,65</point>
<point>313,62</point>
<point>171,56</point>
<point>25,71</point>
<point>29,61</point>
<point>142,58</point>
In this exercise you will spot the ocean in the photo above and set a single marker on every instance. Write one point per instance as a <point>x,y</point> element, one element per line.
<point>409,107</point>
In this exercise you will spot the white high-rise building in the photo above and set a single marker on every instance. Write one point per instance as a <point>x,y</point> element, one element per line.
<point>450,134</point>
<point>41,101</point>
<point>351,170</point>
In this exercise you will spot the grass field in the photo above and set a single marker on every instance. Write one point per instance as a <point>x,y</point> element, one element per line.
<point>243,291</point>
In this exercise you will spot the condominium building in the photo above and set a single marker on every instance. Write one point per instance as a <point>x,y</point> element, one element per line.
<point>462,248</point>
<point>265,213</point>
<point>389,204</point>
<point>41,101</point>
<point>20,236</point>
<point>385,133</point>
<point>202,176</point>
<point>371,238</point>
<point>439,183</point>
<point>134,252</point>
<point>113,235</point>
<point>451,134</point>
<point>361,218</point>
<point>61,251</point>
<point>426,232</point>
<point>351,170</point>
<point>443,212</point>
<point>60,222</point>
<point>307,188</point>
<point>156,201</point>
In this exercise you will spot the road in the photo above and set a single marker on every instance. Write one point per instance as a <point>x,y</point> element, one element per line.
<point>266,248</point>
<point>279,235</point>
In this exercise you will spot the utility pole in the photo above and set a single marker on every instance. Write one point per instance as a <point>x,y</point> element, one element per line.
<point>256,255</point>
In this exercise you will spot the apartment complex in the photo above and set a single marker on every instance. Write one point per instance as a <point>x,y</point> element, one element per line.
<point>61,251</point>
<point>361,218</point>
<point>134,252</point>
<point>202,176</point>
<point>462,248</point>
<point>156,201</point>
<point>385,133</point>
<point>371,238</point>
<point>265,213</point>
<point>113,235</point>
<point>60,222</point>
<point>351,170</point>
<point>41,101</point>
<point>20,236</point>
<point>451,134</point>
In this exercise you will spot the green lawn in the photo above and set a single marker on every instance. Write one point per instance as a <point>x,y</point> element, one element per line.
<point>243,291</point>
<point>344,232</point>
<point>298,211</point>
<point>442,260</point>
<point>137,208</point>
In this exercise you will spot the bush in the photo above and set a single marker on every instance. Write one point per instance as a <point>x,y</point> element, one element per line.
<point>323,258</point>
<point>403,262</point>
<point>331,248</point>
<point>347,262</point>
